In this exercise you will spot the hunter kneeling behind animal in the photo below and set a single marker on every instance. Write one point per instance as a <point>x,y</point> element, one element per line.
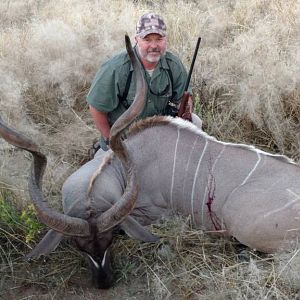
<point>114,87</point>
<point>230,189</point>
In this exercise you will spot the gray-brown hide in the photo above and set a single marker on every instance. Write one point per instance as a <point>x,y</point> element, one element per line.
<point>228,188</point>
<point>249,194</point>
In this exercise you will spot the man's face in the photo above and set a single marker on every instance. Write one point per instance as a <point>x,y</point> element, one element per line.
<point>151,47</point>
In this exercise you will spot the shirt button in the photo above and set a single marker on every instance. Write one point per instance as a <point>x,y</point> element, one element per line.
<point>149,101</point>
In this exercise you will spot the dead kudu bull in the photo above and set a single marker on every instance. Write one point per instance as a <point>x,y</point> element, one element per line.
<point>167,166</point>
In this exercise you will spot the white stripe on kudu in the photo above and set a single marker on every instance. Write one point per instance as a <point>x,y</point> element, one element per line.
<point>188,166</point>
<point>174,165</point>
<point>254,168</point>
<point>195,179</point>
<point>288,204</point>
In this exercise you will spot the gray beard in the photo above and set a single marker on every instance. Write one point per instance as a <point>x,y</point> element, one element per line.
<point>151,60</point>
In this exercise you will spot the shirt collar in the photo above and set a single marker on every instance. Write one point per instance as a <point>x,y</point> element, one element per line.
<point>163,62</point>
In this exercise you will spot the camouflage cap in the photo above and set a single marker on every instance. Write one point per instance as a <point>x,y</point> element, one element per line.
<point>150,23</point>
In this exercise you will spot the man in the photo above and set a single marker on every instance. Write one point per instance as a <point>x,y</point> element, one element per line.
<point>113,88</point>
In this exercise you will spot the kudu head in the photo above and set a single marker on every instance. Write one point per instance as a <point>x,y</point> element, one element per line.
<point>96,248</point>
<point>93,236</point>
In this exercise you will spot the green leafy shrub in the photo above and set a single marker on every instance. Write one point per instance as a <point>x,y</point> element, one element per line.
<point>33,227</point>
<point>22,224</point>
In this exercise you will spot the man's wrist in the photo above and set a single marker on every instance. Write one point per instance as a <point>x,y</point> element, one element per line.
<point>104,143</point>
<point>106,140</point>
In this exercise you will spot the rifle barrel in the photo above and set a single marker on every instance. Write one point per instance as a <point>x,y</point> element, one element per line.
<point>192,64</point>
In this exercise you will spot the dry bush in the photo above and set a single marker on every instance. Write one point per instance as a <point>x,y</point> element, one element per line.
<point>246,87</point>
<point>47,64</point>
<point>253,73</point>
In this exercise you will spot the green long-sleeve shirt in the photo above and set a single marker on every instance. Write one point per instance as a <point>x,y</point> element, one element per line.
<point>109,85</point>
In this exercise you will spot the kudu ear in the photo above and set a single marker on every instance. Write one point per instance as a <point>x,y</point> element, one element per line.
<point>49,243</point>
<point>137,231</point>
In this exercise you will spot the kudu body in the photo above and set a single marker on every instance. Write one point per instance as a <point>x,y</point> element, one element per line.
<point>168,166</point>
<point>231,189</point>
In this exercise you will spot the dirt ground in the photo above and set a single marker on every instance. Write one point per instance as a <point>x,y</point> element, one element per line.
<point>64,274</point>
<point>78,287</point>
<point>78,291</point>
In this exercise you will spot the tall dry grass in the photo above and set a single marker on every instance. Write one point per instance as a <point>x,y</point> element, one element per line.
<point>246,75</point>
<point>246,78</point>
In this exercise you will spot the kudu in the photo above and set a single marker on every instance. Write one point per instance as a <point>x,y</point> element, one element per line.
<point>168,166</point>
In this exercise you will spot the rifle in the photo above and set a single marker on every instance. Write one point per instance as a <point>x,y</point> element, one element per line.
<point>183,111</point>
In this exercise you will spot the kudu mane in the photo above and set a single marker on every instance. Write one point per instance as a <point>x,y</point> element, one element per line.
<point>150,122</point>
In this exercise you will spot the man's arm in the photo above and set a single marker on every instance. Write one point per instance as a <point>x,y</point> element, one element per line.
<point>101,121</point>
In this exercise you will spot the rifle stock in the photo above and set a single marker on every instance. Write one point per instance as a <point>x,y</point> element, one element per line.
<point>183,111</point>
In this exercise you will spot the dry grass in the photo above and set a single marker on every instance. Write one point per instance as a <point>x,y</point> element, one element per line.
<point>185,264</point>
<point>190,264</point>
<point>246,86</point>
<point>247,73</point>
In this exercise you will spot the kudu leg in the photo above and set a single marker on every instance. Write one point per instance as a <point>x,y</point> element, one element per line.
<point>267,222</point>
